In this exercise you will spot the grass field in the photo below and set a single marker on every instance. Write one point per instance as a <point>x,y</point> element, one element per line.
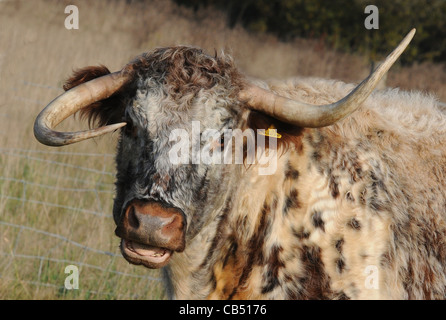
<point>55,204</point>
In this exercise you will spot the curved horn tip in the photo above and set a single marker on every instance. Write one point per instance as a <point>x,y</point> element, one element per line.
<point>54,138</point>
<point>306,115</point>
<point>72,101</point>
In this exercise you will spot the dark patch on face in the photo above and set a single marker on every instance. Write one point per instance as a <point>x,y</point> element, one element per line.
<point>128,171</point>
<point>317,220</point>
<point>354,224</point>
<point>274,264</point>
<point>292,201</point>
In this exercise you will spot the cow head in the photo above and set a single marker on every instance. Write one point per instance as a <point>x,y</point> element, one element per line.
<point>161,204</point>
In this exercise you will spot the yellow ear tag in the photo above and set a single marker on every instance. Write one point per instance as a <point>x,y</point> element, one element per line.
<point>271,132</point>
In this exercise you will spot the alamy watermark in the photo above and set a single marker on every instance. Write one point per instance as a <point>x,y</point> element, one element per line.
<point>372,277</point>
<point>72,280</point>
<point>372,20</point>
<point>72,20</point>
<point>227,147</point>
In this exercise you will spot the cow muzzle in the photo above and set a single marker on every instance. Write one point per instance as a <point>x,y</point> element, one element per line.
<point>151,233</point>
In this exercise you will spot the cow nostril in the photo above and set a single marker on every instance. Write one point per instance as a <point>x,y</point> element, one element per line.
<point>132,218</point>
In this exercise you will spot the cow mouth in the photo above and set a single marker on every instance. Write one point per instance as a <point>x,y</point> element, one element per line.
<point>149,256</point>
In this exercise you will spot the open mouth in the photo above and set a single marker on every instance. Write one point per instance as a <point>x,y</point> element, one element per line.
<point>149,256</point>
<point>150,232</point>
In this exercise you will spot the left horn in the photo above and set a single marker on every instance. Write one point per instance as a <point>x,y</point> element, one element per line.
<point>72,101</point>
<point>314,116</point>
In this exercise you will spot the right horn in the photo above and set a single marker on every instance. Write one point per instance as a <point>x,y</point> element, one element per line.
<point>306,115</point>
<point>72,101</point>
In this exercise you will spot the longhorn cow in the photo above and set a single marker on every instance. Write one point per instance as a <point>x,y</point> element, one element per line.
<point>354,210</point>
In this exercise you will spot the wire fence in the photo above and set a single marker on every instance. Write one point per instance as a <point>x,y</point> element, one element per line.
<point>32,255</point>
<point>55,211</point>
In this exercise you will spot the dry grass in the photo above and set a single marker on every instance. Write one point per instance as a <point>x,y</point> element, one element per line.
<point>36,54</point>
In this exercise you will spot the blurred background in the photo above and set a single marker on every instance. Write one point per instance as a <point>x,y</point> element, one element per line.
<point>56,203</point>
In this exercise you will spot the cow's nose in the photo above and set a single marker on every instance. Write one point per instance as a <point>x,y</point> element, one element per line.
<point>153,224</point>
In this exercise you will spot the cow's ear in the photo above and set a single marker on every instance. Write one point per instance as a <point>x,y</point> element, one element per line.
<point>103,112</point>
<point>84,75</point>
<point>288,135</point>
